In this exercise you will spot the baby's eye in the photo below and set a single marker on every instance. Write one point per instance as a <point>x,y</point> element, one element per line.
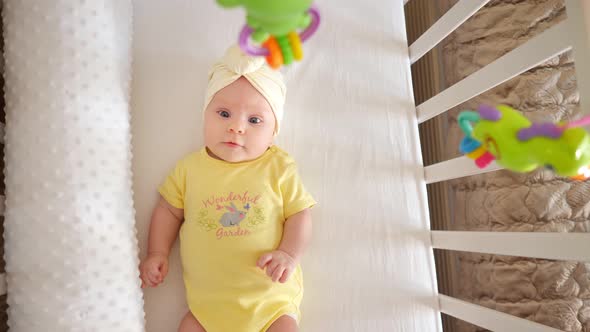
<point>255,120</point>
<point>223,114</point>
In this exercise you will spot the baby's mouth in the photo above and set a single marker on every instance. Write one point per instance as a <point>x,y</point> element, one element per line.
<point>232,144</point>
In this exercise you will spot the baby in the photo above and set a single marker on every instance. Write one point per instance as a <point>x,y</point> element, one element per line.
<point>240,208</point>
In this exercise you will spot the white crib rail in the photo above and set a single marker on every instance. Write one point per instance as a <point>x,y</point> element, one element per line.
<point>443,27</point>
<point>455,168</point>
<point>574,34</point>
<point>487,318</point>
<point>563,246</point>
<point>532,53</point>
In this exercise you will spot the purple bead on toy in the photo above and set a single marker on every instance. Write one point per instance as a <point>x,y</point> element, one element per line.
<point>549,130</point>
<point>489,113</point>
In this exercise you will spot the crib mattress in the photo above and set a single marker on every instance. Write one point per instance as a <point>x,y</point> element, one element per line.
<point>349,122</point>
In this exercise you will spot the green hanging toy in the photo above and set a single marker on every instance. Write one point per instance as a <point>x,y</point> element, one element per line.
<point>501,133</point>
<point>273,24</point>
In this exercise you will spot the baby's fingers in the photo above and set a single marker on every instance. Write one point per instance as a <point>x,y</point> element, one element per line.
<point>263,260</point>
<point>154,274</point>
<point>286,275</point>
<point>272,267</point>
<point>278,272</point>
<point>146,282</point>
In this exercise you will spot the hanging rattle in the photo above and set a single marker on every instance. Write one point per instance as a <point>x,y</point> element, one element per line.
<point>501,133</point>
<point>273,24</point>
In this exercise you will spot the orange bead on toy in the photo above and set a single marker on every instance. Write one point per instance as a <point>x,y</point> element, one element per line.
<point>275,57</point>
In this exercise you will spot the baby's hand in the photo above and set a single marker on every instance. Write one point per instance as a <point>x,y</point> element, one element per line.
<point>153,270</point>
<point>279,265</point>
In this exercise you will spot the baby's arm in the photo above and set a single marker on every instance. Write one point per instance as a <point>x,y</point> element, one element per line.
<point>281,263</point>
<point>296,234</point>
<point>164,227</point>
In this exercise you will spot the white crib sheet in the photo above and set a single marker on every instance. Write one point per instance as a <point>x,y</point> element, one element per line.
<point>349,123</point>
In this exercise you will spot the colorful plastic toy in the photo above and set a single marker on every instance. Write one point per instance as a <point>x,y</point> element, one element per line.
<point>504,135</point>
<point>274,24</point>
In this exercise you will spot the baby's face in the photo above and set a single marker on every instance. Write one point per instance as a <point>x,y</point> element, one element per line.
<point>239,123</point>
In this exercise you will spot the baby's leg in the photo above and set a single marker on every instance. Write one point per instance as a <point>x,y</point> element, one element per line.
<point>190,324</point>
<point>284,324</point>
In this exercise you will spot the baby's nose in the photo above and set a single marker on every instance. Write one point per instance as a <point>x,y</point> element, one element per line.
<point>237,127</point>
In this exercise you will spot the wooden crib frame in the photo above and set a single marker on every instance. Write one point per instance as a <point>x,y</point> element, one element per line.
<point>571,34</point>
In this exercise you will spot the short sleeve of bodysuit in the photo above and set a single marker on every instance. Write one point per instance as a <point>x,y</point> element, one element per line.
<point>295,197</point>
<point>173,188</point>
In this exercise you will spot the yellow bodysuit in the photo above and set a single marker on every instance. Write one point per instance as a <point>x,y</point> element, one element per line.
<point>234,213</point>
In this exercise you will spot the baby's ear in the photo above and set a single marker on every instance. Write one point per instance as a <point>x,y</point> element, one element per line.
<point>229,3</point>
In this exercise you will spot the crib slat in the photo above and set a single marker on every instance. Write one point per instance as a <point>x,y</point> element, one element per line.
<point>488,318</point>
<point>578,18</point>
<point>455,168</point>
<point>2,132</point>
<point>452,19</point>
<point>548,44</point>
<point>2,283</point>
<point>560,246</point>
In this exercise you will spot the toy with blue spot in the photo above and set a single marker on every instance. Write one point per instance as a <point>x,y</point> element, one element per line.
<point>503,134</point>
